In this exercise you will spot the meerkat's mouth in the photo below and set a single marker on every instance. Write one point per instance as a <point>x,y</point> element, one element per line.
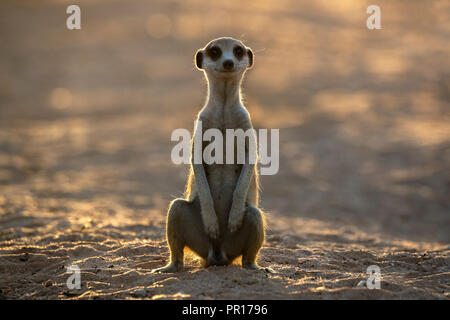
<point>226,71</point>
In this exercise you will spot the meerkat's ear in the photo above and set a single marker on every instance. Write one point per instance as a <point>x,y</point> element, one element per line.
<point>199,59</point>
<point>250,57</point>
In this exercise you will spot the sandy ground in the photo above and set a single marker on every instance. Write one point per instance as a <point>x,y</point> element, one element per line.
<point>85,170</point>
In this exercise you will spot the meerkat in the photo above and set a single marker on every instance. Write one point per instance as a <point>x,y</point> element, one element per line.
<point>219,218</point>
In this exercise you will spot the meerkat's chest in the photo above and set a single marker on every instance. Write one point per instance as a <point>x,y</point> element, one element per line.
<point>224,117</point>
<point>225,124</point>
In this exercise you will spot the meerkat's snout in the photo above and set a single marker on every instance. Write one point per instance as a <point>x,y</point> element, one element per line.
<point>228,65</point>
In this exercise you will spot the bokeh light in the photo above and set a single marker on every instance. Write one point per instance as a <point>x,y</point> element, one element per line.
<point>158,26</point>
<point>60,98</point>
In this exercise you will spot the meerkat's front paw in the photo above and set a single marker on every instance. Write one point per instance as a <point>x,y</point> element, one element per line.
<point>211,225</point>
<point>235,219</point>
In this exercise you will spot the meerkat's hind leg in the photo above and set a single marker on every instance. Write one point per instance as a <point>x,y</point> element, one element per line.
<point>175,237</point>
<point>254,222</point>
<point>247,240</point>
<point>184,228</point>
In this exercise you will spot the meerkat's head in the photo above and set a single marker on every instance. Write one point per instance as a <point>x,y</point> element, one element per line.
<point>224,58</point>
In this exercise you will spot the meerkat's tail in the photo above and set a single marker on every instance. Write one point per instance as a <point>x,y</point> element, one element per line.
<point>216,257</point>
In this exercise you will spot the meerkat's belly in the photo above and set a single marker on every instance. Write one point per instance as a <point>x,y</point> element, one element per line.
<point>222,180</point>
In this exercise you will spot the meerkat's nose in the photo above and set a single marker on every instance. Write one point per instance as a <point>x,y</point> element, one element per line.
<point>228,64</point>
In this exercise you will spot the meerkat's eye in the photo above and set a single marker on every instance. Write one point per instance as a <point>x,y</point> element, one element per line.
<point>214,53</point>
<point>238,52</point>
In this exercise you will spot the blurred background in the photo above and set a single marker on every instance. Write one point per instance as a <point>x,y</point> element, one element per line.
<point>86,115</point>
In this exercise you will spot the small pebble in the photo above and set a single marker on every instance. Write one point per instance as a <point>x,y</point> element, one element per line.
<point>140,293</point>
<point>275,238</point>
<point>361,284</point>
<point>290,242</point>
<point>72,293</point>
<point>24,257</point>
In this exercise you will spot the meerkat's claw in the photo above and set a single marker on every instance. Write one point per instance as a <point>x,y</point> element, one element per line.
<point>268,270</point>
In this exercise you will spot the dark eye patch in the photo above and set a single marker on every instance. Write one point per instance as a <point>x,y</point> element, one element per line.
<point>238,52</point>
<point>214,53</point>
